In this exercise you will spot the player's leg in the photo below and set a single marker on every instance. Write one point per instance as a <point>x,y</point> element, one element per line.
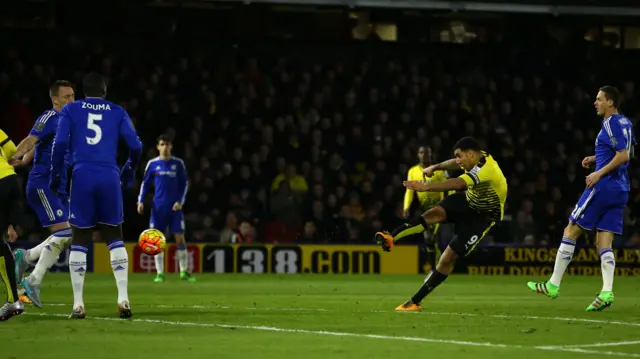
<point>472,231</point>
<point>178,229</point>
<point>159,221</point>
<point>609,224</point>
<point>10,196</point>
<point>419,224</point>
<point>110,216</point>
<point>58,241</point>
<point>584,216</point>
<point>82,239</point>
<point>119,264</point>
<point>82,218</point>
<point>430,241</point>
<point>13,306</point>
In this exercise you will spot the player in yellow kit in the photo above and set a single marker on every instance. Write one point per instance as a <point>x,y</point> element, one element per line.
<point>426,199</point>
<point>474,212</point>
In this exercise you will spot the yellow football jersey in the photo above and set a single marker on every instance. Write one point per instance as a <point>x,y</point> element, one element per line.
<point>7,150</point>
<point>427,199</point>
<point>486,188</point>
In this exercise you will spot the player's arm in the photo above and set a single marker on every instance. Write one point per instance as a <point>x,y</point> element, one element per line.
<point>8,147</point>
<point>622,142</point>
<point>25,146</point>
<point>61,143</point>
<point>128,132</point>
<point>183,186</point>
<point>452,184</point>
<point>408,195</point>
<point>442,166</point>
<point>146,184</point>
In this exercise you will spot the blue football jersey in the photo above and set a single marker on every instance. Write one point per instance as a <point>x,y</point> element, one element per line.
<point>615,135</point>
<point>169,178</point>
<point>45,130</point>
<point>91,129</point>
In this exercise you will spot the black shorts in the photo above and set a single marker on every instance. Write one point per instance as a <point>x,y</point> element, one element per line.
<point>11,202</point>
<point>471,226</point>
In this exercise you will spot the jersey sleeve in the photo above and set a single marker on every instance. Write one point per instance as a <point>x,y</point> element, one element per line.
<point>7,146</point>
<point>620,135</point>
<point>61,142</point>
<point>183,181</point>
<point>476,176</point>
<point>146,183</point>
<point>128,132</point>
<point>45,126</point>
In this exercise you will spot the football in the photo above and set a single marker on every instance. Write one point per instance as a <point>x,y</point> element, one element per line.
<point>152,242</point>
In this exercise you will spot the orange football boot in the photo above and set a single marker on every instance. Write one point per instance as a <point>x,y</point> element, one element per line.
<point>386,240</point>
<point>408,306</point>
<point>25,299</point>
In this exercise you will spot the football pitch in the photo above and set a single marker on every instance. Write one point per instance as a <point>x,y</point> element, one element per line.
<point>326,316</point>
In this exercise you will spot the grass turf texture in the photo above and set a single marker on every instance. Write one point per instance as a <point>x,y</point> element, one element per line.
<point>325,316</point>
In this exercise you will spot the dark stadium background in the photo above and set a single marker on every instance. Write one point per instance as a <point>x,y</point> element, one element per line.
<point>207,71</point>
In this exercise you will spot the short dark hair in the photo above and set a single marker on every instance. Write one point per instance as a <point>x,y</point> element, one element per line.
<point>94,85</point>
<point>611,93</point>
<point>466,144</point>
<point>165,138</point>
<point>55,87</point>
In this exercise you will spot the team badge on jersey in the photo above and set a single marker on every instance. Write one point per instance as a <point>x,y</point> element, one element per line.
<point>39,126</point>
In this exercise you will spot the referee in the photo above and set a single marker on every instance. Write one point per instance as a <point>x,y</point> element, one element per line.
<point>10,212</point>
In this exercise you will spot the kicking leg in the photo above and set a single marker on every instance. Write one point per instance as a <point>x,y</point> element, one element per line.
<point>183,260</point>
<point>81,240</point>
<point>434,215</point>
<point>56,243</point>
<point>605,299</point>
<point>551,288</point>
<point>119,264</point>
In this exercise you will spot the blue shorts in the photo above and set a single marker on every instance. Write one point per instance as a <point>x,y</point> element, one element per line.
<point>166,220</point>
<point>600,210</point>
<point>95,197</point>
<point>51,208</point>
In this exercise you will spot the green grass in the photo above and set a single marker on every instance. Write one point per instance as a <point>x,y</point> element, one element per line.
<point>255,316</point>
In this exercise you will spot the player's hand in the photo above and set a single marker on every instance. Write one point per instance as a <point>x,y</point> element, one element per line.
<point>592,179</point>
<point>588,161</point>
<point>140,208</point>
<point>177,206</point>
<point>405,213</point>
<point>429,171</point>
<point>416,186</point>
<point>127,175</point>
<point>13,235</point>
<point>16,162</point>
<point>55,180</point>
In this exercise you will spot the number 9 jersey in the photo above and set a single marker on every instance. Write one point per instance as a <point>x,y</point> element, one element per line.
<point>91,129</point>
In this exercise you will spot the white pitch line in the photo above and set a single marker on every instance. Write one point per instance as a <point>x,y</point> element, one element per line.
<point>302,331</point>
<point>346,334</point>
<point>499,316</point>
<point>597,345</point>
<point>584,351</point>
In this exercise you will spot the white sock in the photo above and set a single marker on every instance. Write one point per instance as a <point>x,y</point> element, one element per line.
<point>33,254</point>
<point>182,259</point>
<point>608,265</point>
<point>159,262</point>
<point>120,266</point>
<point>55,245</point>
<point>563,258</point>
<point>77,269</point>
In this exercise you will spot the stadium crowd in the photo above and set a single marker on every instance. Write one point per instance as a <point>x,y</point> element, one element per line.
<point>311,143</point>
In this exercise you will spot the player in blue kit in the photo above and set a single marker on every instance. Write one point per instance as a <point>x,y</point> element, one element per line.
<point>90,129</point>
<point>601,206</point>
<point>169,177</point>
<point>51,208</point>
